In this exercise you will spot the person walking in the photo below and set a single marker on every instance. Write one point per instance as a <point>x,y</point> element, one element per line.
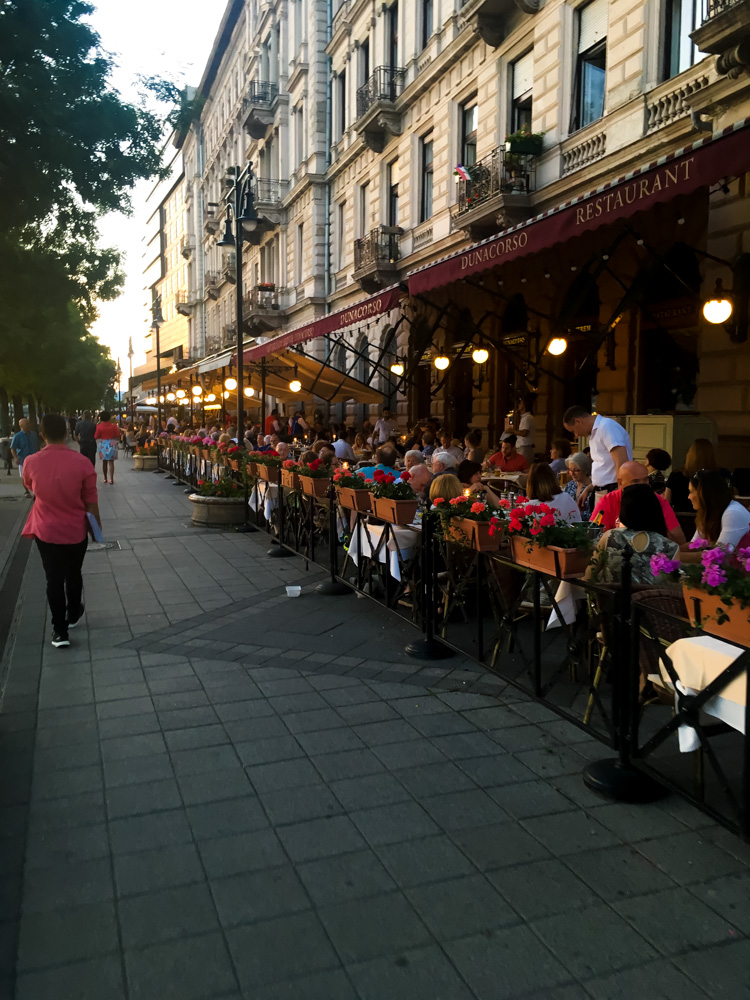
<point>25,443</point>
<point>64,484</point>
<point>107,435</point>
<point>84,435</point>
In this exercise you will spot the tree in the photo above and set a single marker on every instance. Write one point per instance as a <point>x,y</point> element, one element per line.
<point>70,150</point>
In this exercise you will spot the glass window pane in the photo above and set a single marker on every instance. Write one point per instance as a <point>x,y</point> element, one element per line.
<point>593,75</point>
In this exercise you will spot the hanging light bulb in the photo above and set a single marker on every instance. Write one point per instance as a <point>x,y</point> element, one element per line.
<point>151,401</point>
<point>230,383</point>
<point>161,399</point>
<point>210,397</point>
<point>249,391</point>
<point>557,346</point>
<point>397,368</point>
<point>480,355</point>
<point>171,397</point>
<point>441,362</point>
<point>197,390</point>
<point>181,394</point>
<point>295,385</point>
<point>718,309</point>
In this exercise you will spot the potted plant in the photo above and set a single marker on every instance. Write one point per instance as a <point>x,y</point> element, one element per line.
<point>716,590</point>
<point>269,466</point>
<point>524,142</point>
<point>314,478</point>
<point>470,522</point>
<point>540,539</point>
<point>290,475</point>
<point>218,504</point>
<point>146,456</point>
<point>352,490</point>
<point>392,501</point>
<point>253,463</point>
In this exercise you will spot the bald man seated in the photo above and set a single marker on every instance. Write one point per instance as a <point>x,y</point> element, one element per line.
<point>607,511</point>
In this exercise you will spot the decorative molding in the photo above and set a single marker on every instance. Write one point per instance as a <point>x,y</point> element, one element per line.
<point>580,155</point>
<point>664,108</point>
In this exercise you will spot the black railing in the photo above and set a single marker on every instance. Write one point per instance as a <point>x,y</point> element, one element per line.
<point>500,172</point>
<point>715,8</point>
<point>380,246</point>
<point>262,93</point>
<point>385,84</point>
<point>266,190</point>
<point>260,299</point>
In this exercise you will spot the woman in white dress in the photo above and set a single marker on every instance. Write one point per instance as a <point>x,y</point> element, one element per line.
<point>719,519</point>
<point>522,424</point>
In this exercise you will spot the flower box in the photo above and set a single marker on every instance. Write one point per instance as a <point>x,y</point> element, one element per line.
<point>395,511</point>
<point>354,499</point>
<point>290,479</point>
<point>270,473</point>
<point>252,469</point>
<point>704,615</point>
<point>216,512</point>
<point>145,463</point>
<point>474,534</point>
<point>314,486</point>
<point>205,453</point>
<point>549,559</point>
<point>528,145</point>
<point>234,464</point>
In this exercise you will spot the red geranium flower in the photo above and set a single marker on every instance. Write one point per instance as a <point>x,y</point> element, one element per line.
<point>477,508</point>
<point>405,476</point>
<point>314,465</point>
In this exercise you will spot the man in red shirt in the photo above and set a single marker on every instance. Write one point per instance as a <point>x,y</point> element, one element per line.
<point>508,459</point>
<point>64,484</point>
<point>607,511</point>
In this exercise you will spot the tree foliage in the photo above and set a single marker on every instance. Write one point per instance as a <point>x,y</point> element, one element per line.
<point>70,150</point>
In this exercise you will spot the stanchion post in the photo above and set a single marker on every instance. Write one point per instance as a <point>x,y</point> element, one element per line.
<point>428,648</point>
<point>333,587</point>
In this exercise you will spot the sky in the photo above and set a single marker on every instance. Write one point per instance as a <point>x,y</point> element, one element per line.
<point>172,38</point>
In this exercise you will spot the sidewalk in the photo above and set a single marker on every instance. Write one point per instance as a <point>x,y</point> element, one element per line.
<point>219,791</point>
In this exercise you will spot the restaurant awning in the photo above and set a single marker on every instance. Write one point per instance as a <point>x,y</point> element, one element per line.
<point>706,161</point>
<point>318,380</point>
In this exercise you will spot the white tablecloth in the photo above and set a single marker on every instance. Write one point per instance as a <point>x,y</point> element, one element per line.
<point>266,493</point>
<point>566,599</point>
<point>403,541</point>
<point>698,661</point>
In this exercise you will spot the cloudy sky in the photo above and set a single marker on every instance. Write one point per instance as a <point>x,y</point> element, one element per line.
<point>151,37</point>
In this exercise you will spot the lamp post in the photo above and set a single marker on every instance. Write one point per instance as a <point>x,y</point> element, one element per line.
<point>156,320</point>
<point>240,211</point>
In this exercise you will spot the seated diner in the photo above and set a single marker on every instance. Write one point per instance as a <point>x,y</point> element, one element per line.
<point>719,519</point>
<point>542,487</point>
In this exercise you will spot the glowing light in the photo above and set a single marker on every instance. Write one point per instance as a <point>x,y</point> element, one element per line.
<point>441,362</point>
<point>249,391</point>
<point>295,385</point>
<point>230,383</point>
<point>151,401</point>
<point>225,395</point>
<point>197,390</point>
<point>558,345</point>
<point>161,399</point>
<point>181,394</point>
<point>397,368</point>
<point>171,397</point>
<point>480,355</point>
<point>210,397</point>
<point>719,308</point>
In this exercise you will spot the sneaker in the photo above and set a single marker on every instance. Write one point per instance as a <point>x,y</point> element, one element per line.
<point>60,639</point>
<point>74,622</point>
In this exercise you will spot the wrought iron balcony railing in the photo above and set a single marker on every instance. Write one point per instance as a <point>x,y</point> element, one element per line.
<point>500,172</point>
<point>379,246</point>
<point>714,8</point>
<point>262,93</point>
<point>261,298</point>
<point>267,190</point>
<point>385,84</point>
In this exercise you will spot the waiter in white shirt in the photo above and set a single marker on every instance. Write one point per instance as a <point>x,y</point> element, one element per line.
<point>384,428</point>
<point>610,447</point>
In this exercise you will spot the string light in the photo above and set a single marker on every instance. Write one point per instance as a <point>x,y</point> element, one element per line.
<point>197,390</point>
<point>718,309</point>
<point>557,346</point>
<point>480,355</point>
<point>210,397</point>
<point>295,385</point>
<point>249,391</point>
<point>397,368</point>
<point>181,394</point>
<point>230,383</point>
<point>171,397</point>
<point>441,362</point>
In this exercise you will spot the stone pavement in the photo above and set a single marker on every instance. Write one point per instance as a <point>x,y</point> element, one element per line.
<point>219,791</point>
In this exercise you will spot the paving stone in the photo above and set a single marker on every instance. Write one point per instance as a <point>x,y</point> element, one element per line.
<point>309,722</point>
<point>315,986</point>
<point>67,885</point>
<point>204,759</point>
<point>530,798</point>
<point>392,924</point>
<point>728,897</point>
<point>689,857</point>
<point>293,805</point>
<point>90,980</point>
<point>218,819</point>
<point>132,770</point>
<point>347,764</point>
<point>142,745</point>
<point>47,848</point>
<point>499,845</point>
<point>329,741</point>
<point>129,725</point>
<point>721,971</point>
<point>72,810</point>
<point>393,823</point>
<point>320,838</point>
<point>419,974</point>
<point>380,733</point>
<point>183,970</point>
<point>542,888</point>
<point>284,774</point>
<point>196,737</point>
<point>417,862</point>
<point>256,729</point>
<point>166,915</point>
<point>212,786</point>
<point>241,852</point>
<point>275,950</point>
<point>570,832</point>
<point>345,877</point>
<point>149,796</point>
<point>491,772</point>
<point>370,790</point>
<point>249,709</point>
<point>351,693</point>
<point>141,833</point>
<point>269,751</point>
<point>462,745</point>
<point>655,980</point>
<point>259,895</point>
<point>434,779</point>
<point>186,718</point>
<point>461,906</point>
<point>70,935</point>
<point>675,921</point>
<point>412,753</point>
<point>618,872</point>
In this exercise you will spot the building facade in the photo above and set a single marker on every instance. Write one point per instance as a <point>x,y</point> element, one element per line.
<point>385,137</point>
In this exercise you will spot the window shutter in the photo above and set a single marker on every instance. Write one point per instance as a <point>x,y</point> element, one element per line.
<point>592,24</point>
<point>523,74</point>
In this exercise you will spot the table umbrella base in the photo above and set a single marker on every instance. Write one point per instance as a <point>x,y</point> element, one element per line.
<point>428,649</point>
<point>278,551</point>
<point>622,782</point>
<point>245,528</point>
<point>333,588</point>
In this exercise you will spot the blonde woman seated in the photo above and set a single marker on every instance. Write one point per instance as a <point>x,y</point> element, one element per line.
<point>542,487</point>
<point>360,447</point>
<point>445,486</point>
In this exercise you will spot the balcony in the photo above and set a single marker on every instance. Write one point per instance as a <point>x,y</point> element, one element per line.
<point>211,221</point>
<point>497,194</point>
<point>261,309</point>
<point>184,301</point>
<point>493,20</point>
<point>268,196</point>
<point>376,257</point>
<point>725,33</point>
<point>213,284</point>
<point>187,245</point>
<point>228,334</point>
<point>229,267</point>
<point>259,103</point>
<point>377,120</point>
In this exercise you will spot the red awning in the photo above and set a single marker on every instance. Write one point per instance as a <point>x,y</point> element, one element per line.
<point>723,154</point>
<point>376,305</point>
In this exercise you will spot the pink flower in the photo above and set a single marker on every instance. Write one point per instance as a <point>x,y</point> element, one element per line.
<point>663,565</point>
<point>698,543</point>
<point>477,508</point>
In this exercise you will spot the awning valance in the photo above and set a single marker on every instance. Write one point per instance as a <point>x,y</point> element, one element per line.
<point>723,154</point>
<point>318,379</point>
<point>335,322</point>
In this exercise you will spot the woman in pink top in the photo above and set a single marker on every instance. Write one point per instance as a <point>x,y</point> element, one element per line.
<point>108,435</point>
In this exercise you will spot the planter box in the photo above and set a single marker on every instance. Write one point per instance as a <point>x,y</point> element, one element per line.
<point>270,474</point>
<point>234,464</point>
<point>290,479</point>
<point>217,512</point>
<point>549,559</point>
<point>252,470</point>
<point>529,146</point>
<point>314,487</point>
<point>206,453</point>
<point>354,499</point>
<point>474,534</point>
<point>395,511</point>
<point>705,613</point>
<point>145,462</point>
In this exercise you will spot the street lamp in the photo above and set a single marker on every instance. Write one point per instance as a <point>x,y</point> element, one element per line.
<point>441,362</point>
<point>557,346</point>
<point>156,321</point>
<point>240,209</point>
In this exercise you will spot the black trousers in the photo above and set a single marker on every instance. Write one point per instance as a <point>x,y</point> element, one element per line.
<point>62,565</point>
<point>88,448</point>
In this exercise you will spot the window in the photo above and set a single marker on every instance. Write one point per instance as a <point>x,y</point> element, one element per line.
<point>392,193</point>
<point>427,21</point>
<point>363,215</point>
<point>364,62</point>
<point>340,228</point>
<point>299,255</point>
<point>341,100</point>
<point>392,35</point>
<point>591,65</point>
<point>680,52</point>
<point>469,115</point>
<point>425,188</point>
<point>522,76</point>
<point>299,136</point>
